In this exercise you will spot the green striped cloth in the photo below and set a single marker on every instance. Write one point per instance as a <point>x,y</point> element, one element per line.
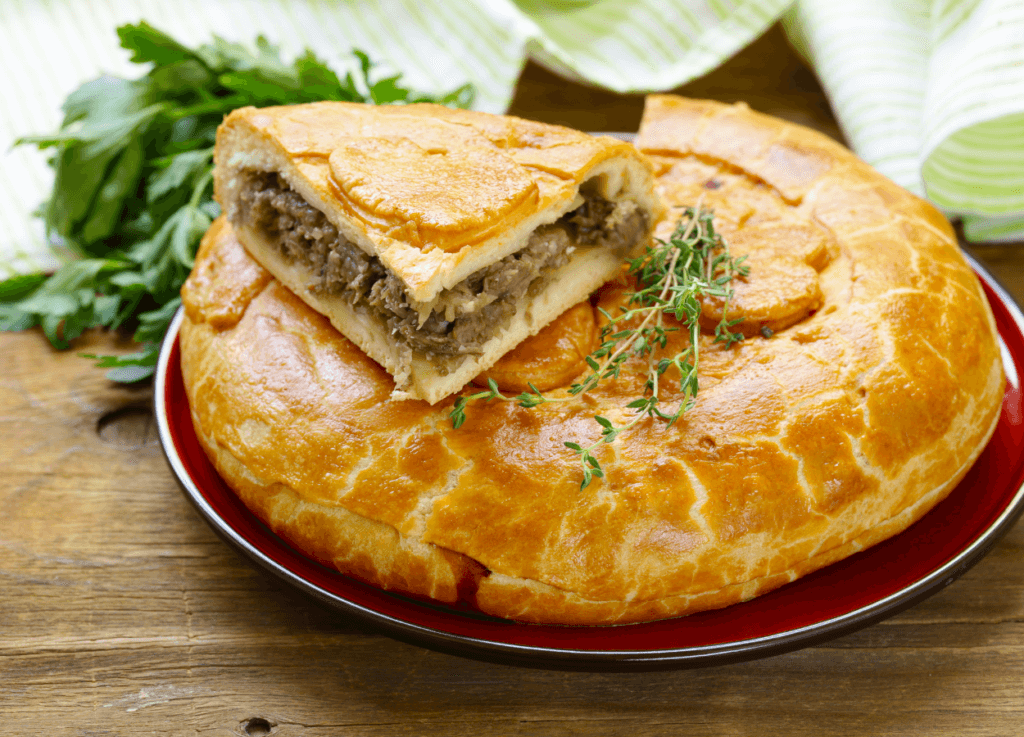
<point>930,92</point>
<point>49,47</point>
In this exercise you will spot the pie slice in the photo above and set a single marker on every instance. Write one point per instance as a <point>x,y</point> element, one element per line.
<point>434,239</point>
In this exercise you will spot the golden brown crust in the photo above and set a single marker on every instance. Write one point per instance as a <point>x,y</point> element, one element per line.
<point>840,430</point>
<point>550,359</point>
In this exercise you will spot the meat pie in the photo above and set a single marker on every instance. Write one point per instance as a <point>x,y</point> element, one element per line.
<point>870,381</point>
<point>434,239</point>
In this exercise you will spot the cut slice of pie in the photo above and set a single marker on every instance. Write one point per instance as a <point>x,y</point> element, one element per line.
<point>434,239</point>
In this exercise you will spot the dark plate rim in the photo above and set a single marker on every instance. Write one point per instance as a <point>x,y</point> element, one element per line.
<point>597,660</point>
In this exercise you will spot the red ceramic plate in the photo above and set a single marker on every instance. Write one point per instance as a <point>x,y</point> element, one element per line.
<point>843,597</point>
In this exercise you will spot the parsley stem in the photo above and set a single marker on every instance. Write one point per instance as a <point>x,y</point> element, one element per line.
<point>200,187</point>
<point>216,105</point>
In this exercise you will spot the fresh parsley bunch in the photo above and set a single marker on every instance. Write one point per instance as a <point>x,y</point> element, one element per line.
<point>133,191</point>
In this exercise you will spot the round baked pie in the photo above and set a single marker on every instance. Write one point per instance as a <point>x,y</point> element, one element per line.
<point>867,384</point>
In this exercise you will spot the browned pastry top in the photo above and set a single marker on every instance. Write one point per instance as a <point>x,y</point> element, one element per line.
<point>437,181</point>
<point>869,383</point>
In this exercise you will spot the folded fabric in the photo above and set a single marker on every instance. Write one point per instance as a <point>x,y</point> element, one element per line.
<point>930,92</point>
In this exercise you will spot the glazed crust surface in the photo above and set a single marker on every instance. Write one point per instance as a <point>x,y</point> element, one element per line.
<point>435,193</point>
<point>868,385</point>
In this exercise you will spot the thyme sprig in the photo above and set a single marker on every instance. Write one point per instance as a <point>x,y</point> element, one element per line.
<point>672,278</point>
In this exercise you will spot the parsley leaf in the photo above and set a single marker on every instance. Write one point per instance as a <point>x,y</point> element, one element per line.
<point>133,190</point>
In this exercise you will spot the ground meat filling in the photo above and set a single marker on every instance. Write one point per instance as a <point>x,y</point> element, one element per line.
<point>466,316</point>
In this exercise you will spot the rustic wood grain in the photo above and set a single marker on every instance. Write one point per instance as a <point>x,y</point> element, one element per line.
<point>122,613</point>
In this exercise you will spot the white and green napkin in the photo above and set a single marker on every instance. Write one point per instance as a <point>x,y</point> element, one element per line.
<point>932,94</point>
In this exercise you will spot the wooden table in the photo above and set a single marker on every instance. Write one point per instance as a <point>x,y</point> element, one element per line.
<point>122,613</point>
